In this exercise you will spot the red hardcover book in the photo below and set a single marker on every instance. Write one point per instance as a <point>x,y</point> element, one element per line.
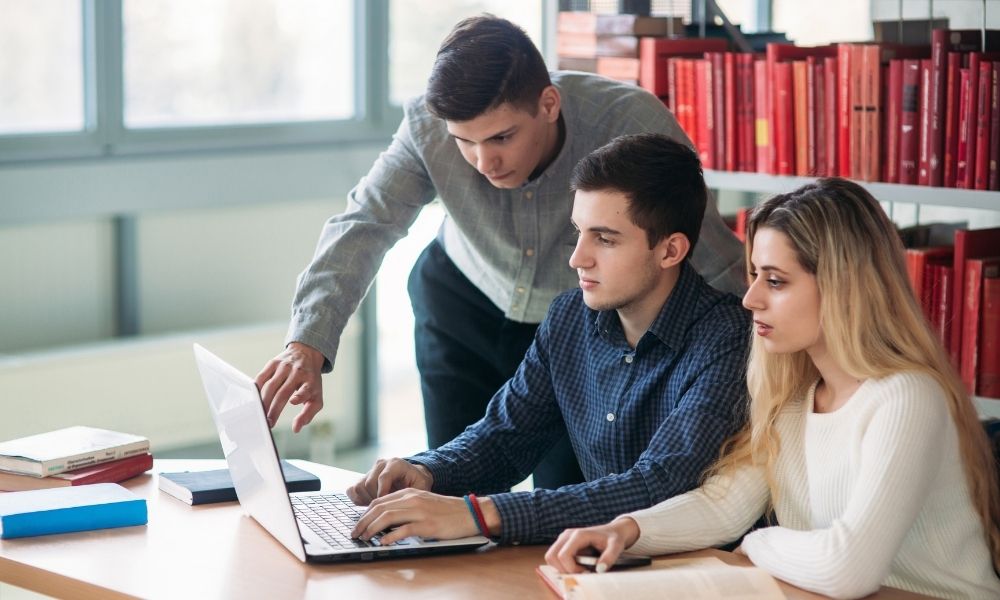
<point>993,182</point>
<point>830,114</point>
<point>784,119</point>
<point>730,98</point>
<point>884,158</point>
<point>704,101</point>
<point>109,472</point>
<point>944,282</point>
<point>686,99</point>
<point>778,53</point>
<point>943,42</point>
<point>965,103</point>
<point>844,111</point>
<point>762,118</point>
<point>745,112</point>
<point>858,95</point>
<point>893,112</point>
<point>908,121</point>
<point>967,168</point>
<point>975,270</point>
<point>917,260</point>
<point>983,122</point>
<point>969,243</point>
<point>952,108</point>
<point>924,144</point>
<point>803,144</point>
<point>654,52</point>
<point>988,384</point>
<point>718,106</point>
<point>872,114</point>
<point>817,117</point>
<point>672,88</point>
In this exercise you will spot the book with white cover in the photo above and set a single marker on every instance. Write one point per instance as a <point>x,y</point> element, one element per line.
<point>66,449</point>
<point>695,578</point>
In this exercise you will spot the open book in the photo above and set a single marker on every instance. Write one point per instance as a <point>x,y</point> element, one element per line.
<point>689,578</point>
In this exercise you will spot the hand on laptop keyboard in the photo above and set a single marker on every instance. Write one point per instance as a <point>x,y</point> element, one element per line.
<point>417,512</point>
<point>388,476</point>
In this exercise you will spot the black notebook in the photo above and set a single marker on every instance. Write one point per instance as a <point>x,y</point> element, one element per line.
<point>205,487</point>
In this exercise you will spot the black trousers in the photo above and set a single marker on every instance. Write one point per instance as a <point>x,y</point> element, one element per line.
<point>466,350</point>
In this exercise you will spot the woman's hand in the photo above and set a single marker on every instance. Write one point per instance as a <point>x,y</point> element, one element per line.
<point>610,540</point>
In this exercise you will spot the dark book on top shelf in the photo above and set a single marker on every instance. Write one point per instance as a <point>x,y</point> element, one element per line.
<point>67,449</point>
<point>206,487</point>
<point>607,24</point>
<point>109,472</point>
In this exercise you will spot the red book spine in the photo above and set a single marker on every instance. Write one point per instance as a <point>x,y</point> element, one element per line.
<point>971,309</point>
<point>969,243</point>
<point>951,111</point>
<point>818,117</point>
<point>924,152</point>
<point>803,146</point>
<point>671,86</point>
<point>871,150</point>
<point>703,111</point>
<point>830,114</point>
<point>844,110</point>
<point>965,105</point>
<point>989,353</point>
<point>652,69</point>
<point>994,174</point>
<point>970,124</point>
<point>932,287</point>
<point>684,88</point>
<point>884,158</point>
<point>762,118</point>
<point>893,113</point>
<point>939,66</point>
<point>908,134</point>
<point>784,127</point>
<point>858,97</point>
<point>983,122</point>
<point>746,109</point>
<point>943,309</point>
<point>718,107</point>
<point>731,148</point>
<point>112,472</point>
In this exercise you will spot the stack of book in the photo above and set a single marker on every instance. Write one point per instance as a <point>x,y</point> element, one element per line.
<point>957,282</point>
<point>608,45</point>
<point>71,457</point>
<point>919,115</point>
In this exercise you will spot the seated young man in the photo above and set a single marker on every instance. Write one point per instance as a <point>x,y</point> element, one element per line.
<point>643,368</point>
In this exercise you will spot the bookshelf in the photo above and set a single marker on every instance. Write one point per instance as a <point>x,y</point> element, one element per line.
<point>885,192</point>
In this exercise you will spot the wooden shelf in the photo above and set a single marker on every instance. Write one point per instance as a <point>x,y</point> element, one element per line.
<point>884,192</point>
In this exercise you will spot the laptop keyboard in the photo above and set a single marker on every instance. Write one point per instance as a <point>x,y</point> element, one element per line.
<point>332,517</point>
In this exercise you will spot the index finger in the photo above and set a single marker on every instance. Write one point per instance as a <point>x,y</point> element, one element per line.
<point>266,373</point>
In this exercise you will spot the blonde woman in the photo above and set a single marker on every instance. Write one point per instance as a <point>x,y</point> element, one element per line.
<point>861,437</point>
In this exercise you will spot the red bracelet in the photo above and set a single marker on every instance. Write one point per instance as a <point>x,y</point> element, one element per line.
<point>479,515</point>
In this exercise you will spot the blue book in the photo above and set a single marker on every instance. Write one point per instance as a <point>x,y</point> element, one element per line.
<point>62,510</point>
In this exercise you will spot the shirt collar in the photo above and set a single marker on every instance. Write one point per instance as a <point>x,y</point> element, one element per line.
<point>673,321</point>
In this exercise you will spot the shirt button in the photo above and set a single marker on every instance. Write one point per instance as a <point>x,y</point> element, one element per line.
<point>628,358</point>
<point>520,290</point>
<point>528,195</point>
<point>610,417</point>
<point>529,252</point>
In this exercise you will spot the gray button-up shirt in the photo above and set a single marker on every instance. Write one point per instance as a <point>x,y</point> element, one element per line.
<point>514,245</point>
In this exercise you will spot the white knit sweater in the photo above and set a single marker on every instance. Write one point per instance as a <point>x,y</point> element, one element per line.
<point>871,494</point>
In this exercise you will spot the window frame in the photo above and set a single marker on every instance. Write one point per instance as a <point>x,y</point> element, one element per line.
<point>104,134</point>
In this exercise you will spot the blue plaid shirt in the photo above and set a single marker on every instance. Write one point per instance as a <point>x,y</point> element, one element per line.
<point>644,423</point>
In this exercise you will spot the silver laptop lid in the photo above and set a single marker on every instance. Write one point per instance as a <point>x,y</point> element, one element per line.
<point>249,448</point>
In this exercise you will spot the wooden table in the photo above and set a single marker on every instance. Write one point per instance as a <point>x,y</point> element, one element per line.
<point>213,551</point>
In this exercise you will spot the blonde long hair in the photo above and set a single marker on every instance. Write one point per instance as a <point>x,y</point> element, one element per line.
<point>841,235</point>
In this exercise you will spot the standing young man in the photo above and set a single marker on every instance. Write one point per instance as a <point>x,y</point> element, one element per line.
<point>642,367</point>
<point>495,138</point>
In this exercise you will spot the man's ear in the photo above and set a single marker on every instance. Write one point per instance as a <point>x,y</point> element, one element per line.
<point>673,249</point>
<point>549,103</point>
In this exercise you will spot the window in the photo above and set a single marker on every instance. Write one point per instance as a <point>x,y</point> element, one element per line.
<point>417,28</point>
<point>41,66</point>
<point>197,62</point>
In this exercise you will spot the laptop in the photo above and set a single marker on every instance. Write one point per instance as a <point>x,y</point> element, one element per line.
<point>314,526</point>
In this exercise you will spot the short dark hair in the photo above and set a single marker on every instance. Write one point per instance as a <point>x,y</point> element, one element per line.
<point>662,179</point>
<point>484,62</point>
